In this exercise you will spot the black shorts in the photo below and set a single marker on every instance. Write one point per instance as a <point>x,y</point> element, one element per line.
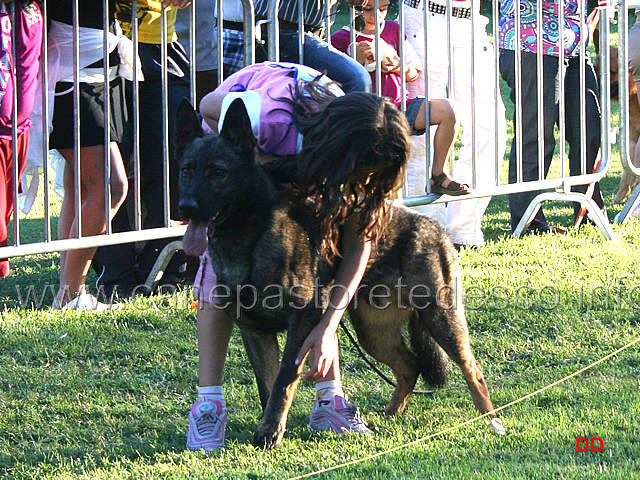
<point>91,110</point>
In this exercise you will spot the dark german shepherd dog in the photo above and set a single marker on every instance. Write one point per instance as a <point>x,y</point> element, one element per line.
<point>257,239</point>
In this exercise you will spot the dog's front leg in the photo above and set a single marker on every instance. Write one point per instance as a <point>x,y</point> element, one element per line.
<point>274,419</point>
<point>263,353</point>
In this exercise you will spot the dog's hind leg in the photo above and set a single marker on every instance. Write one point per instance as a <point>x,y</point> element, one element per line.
<point>449,328</point>
<point>380,334</point>
<point>262,350</point>
<point>627,183</point>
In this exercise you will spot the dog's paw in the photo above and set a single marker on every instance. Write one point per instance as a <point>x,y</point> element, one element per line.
<point>496,426</point>
<point>268,440</point>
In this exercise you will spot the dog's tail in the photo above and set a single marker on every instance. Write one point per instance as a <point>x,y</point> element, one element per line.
<point>433,362</point>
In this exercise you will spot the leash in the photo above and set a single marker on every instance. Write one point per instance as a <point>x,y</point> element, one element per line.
<point>364,357</point>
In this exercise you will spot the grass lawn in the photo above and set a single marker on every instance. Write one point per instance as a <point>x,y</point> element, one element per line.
<point>106,396</point>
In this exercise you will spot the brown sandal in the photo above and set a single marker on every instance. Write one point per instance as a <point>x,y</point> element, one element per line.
<point>453,188</point>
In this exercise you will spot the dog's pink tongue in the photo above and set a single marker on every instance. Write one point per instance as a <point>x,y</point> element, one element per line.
<point>194,242</point>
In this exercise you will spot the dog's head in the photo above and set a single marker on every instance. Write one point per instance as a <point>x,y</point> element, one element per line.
<point>218,174</point>
<point>614,75</point>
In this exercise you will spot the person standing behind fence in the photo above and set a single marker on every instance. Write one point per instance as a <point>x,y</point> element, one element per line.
<point>550,76</point>
<point>122,268</point>
<point>462,220</point>
<point>205,44</point>
<point>27,30</point>
<point>74,264</point>
<point>318,53</point>
<point>441,110</point>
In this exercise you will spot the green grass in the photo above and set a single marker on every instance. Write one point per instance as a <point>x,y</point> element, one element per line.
<point>106,396</point>
<point>86,396</point>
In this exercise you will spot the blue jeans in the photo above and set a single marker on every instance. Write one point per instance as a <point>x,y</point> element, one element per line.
<point>320,55</point>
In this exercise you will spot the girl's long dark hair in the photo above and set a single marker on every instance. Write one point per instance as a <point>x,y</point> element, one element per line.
<point>353,157</point>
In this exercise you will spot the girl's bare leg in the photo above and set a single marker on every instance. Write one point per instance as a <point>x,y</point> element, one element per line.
<point>442,115</point>
<point>214,333</point>
<point>74,264</point>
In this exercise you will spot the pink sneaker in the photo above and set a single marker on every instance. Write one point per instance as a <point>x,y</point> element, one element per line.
<point>207,421</point>
<point>338,416</point>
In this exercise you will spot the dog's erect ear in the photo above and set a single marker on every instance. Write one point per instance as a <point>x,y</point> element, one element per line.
<point>187,127</point>
<point>237,127</point>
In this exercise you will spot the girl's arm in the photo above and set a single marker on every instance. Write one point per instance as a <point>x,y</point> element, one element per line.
<point>210,108</point>
<point>413,65</point>
<point>322,342</point>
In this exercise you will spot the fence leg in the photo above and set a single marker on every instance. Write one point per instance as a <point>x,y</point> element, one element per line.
<point>596,214</point>
<point>161,263</point>
<point>630,206</point>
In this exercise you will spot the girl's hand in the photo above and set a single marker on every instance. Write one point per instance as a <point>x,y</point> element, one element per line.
<point>365,52</point>
<point>390,64</point>
<point>322,347</point>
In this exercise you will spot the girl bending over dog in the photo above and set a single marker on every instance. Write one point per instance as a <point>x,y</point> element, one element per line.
<point>348,154</point>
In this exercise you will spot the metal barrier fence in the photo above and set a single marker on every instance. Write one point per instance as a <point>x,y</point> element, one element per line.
<point>560,184</point>
<point>623,65</point>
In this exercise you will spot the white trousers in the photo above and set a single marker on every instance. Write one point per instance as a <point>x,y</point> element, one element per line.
<point>461,219</point>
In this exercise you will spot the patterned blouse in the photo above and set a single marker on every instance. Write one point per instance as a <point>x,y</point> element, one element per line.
<point>529,26</point>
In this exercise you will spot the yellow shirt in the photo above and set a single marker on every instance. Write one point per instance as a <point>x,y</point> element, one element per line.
<point>149,20</point>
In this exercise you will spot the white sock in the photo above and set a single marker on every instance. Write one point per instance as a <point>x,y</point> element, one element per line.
<point>211,393</point>
<point>325,391</point>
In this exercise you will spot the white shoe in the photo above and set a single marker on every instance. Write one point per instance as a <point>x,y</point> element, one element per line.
<point>87,301</point>
<point>338,416</point>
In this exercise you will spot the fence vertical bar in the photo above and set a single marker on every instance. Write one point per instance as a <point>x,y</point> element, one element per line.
<point>450,72</point>
<point>605,93</point>
<point>518,93</point>
<point>623,86</point>
<point>583,92</point>
<point>107,115</point>
<point>301,27</point>
<point>561,90</point>
<point>474,127</point>
<point>14,128</point>
<point>352,32</point>
<point>137,200</point>
<point>249,14</point>
<point>192,51</point>
<point>76,117</point>
<point>496,76</point>
<point>165,123</point>
<point>376,42</point>
<point>273,40</point>
<point>44,84</point>
<point>427,95</point>
<point>220,39</point>
<point>401,53</point>
<point>540,91</point>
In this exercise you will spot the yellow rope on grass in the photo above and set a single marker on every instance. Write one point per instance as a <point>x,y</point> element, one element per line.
<point>447,430</point>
